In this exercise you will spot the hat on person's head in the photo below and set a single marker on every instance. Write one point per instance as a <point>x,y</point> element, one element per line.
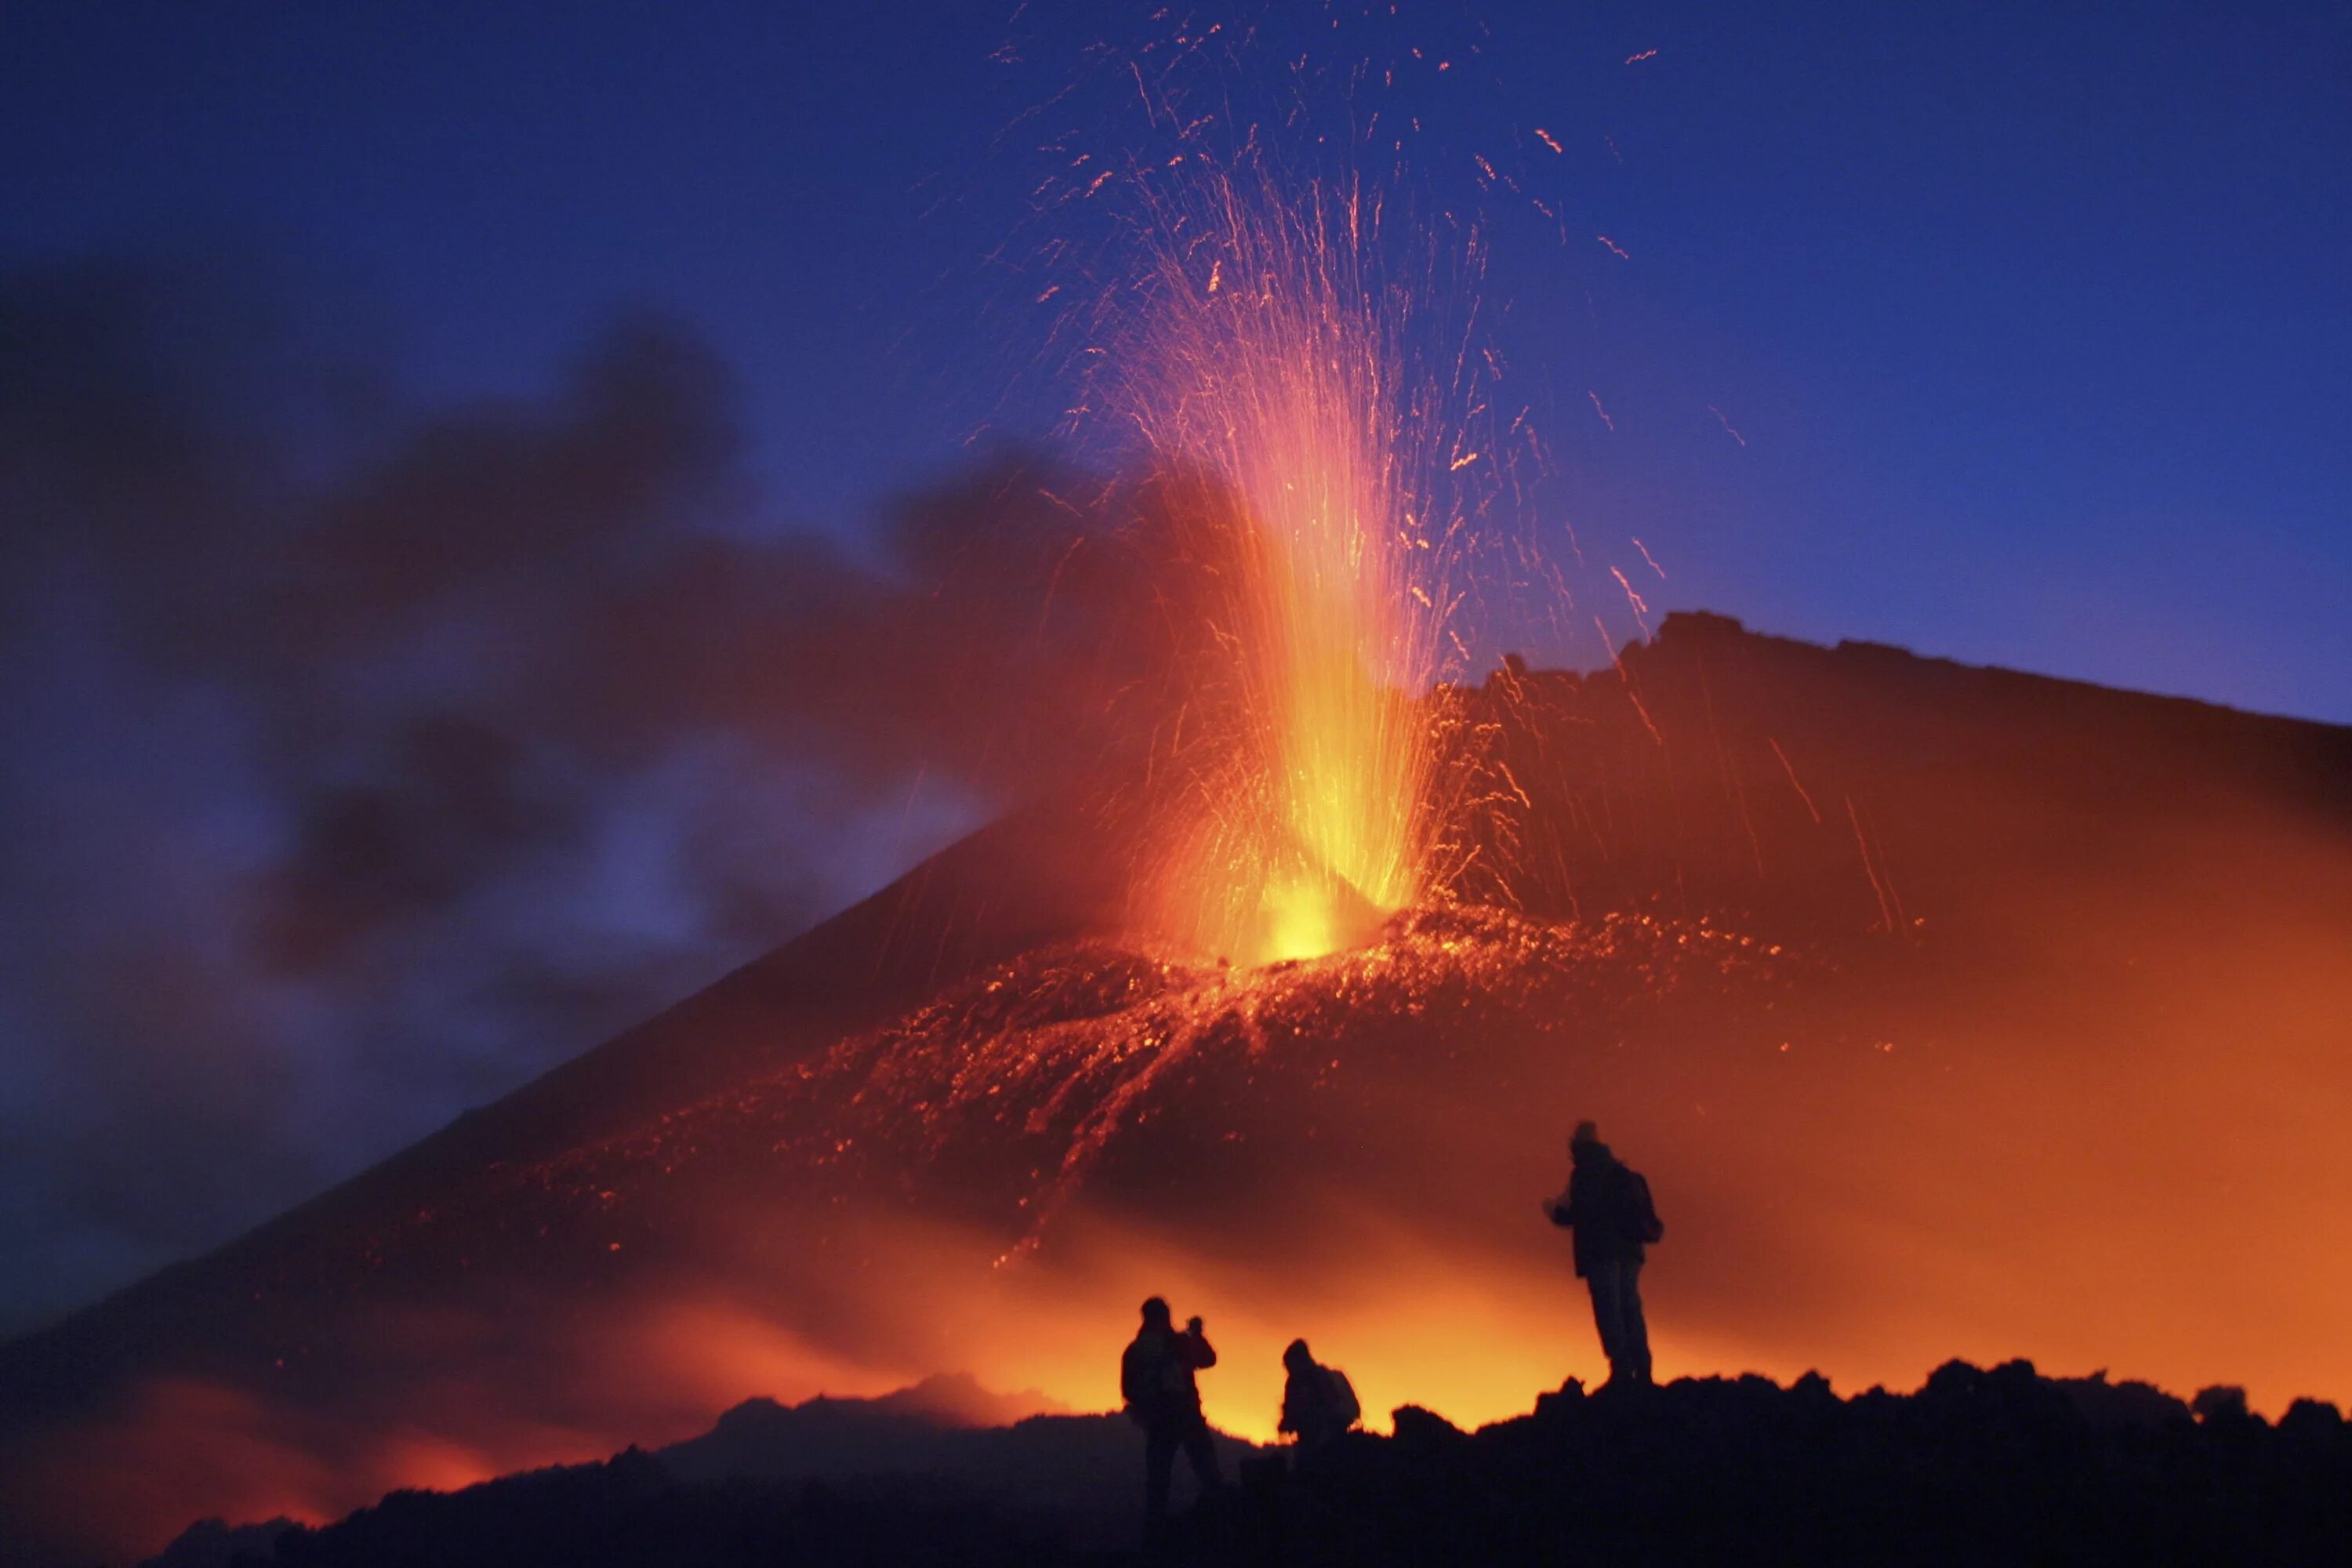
<point>1586,1132</point>
<point>1155,1310</point>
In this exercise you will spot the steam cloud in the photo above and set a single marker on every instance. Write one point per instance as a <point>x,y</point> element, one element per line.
<point>360,760</point>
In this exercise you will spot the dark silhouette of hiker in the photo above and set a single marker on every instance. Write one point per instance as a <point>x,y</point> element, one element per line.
<point>1318,1403</point>
<point>1608,1206</point>
<point>1155,1378</point>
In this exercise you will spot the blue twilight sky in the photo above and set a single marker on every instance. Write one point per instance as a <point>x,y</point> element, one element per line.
<point>2035,317</point>
<point>2018,333</point>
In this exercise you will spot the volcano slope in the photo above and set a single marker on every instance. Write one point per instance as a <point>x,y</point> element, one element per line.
<point>1951,1012</point>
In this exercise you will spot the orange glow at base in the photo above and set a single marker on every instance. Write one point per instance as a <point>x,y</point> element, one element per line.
<point>1300,923</point>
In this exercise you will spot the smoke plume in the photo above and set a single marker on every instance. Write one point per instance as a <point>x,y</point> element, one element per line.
<point>362,758</point>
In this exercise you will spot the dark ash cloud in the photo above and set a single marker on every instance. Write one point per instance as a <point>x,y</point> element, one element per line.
<point>360,759</point>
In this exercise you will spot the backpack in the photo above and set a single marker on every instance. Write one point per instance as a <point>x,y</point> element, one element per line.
<point>1642,1223</point>
<point>1346,1409</point>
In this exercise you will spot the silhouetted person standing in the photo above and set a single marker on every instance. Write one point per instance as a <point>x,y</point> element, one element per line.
<point>1155,1378</point>
<point>1608,1206</point>
<point>1318,1403</point>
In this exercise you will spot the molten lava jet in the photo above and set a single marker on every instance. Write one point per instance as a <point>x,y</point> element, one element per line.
<point>1264,367</point>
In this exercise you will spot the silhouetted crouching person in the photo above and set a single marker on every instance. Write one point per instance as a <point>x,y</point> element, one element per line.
<point>1155,1378</point>
<point>1318,1403</point>
<point>1608,1206</point>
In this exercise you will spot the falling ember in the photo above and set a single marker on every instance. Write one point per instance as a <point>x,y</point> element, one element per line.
<point>1266,373</point>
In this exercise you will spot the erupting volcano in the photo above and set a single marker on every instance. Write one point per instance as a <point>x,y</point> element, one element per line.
<point>1908,983</point>
<point>1903,978</point>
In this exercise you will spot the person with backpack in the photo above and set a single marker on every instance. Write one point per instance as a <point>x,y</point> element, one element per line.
<point>1156,1380</point>
<point>1608,1206</point>
<point>1318,1403</point>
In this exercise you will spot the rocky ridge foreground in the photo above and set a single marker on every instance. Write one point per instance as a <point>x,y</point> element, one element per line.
<point>1979,1466</point>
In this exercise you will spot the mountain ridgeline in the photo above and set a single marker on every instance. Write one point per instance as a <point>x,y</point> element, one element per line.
<point>1952,1012</point>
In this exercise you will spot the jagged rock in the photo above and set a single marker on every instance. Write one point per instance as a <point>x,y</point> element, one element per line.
<point>1422,1432</point>
<point>1986,1465</point>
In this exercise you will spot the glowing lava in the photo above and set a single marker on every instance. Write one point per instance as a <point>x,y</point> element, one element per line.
<point>1269,379</point>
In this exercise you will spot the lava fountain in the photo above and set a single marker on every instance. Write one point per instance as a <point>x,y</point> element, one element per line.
<point>1267,372</point>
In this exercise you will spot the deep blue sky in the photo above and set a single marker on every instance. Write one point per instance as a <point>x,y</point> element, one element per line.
<point>2033,316</point>
<point>2033,320</point>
